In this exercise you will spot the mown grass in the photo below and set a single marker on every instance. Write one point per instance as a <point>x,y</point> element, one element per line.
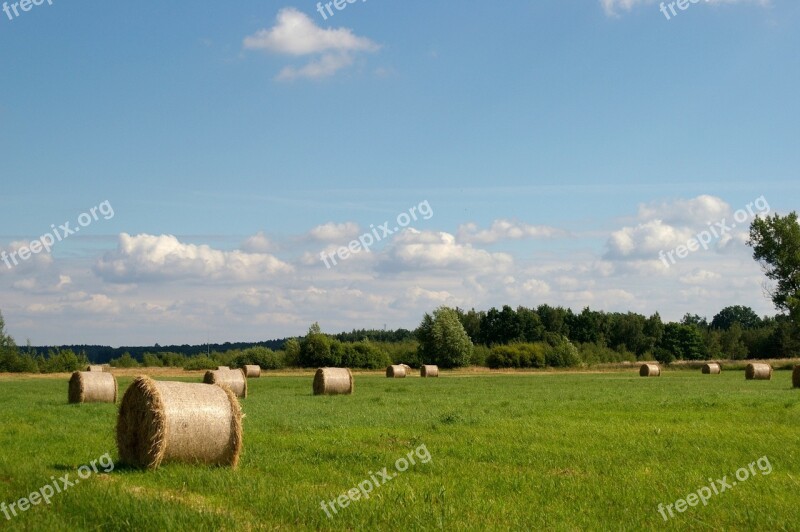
<point>529,451</point>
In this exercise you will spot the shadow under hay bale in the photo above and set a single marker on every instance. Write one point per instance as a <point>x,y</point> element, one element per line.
<point>251,371</point>
<point>650,370</point>
<point>429,371</point>
<point>232,378</point>
<point>162,422</point>
<point>796,377</point>
<point>333,381</point>
<point>92,387</point>
<point>711,368</point>
<point>396,372</point>
<point>758,371</point>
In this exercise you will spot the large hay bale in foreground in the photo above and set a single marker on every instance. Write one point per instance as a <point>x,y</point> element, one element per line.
<point>758,371</point>
<point>796,377</point>
<point>252,371</point>
<point>333,381</point>
<point>162,422</point>
<point>650,370</point>
<point>95,367</point>
<point>92,387</point>
<point>396,371</point>
<point>712,368</point>
<point>429,371</point>
<point>232,378</point>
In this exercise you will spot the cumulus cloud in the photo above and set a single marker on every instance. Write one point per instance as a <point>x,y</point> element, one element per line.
<point>144,257</point>
<point>258,243</point>
<point>505,230</point>
<point>335,233</point>
<point>645,240</point>
<point>698,211</point>
<point>428,250</point>
<point>295,34</point>
<point>614,7</point>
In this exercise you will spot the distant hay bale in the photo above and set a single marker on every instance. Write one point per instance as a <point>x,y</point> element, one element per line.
<point>92,387</point>
<point>252,371</point>
<point>758,371</point>
<point>333,381</point>
<point>796,377</point>
<point>232,378</point>
<point>650,370</point>
<point>95,367</point>
<point>223,367</point>
<point>162,422</point>
<point>396,371</point>
<point>429,371</point>
<point>712,368</point>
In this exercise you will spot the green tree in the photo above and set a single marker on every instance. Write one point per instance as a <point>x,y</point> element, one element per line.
<point>733,345</point>
<point>745,316</point>
<point>776,246</point>
<point>443,340</point>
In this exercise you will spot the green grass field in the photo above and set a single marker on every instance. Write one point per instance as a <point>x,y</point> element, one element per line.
<point>589,451</point>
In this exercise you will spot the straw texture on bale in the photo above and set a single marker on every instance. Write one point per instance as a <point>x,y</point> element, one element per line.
<point>333,381</point>
<point>712,368</point>
<point>650,370</point>
<point>252,371</point>
<point>396,372</point>
<point>232,378</point>
<point>429,371</point>
<point>92,387</point>
<point>223,367</point>
<point>796,377</point>
<point>95,367</point>
<point>163,422</point>
<point>758,371</point>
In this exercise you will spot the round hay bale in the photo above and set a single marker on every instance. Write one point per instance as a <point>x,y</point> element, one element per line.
<point>429,371</point>
<point>650,370</point>
<point>220,368</point>
<point>232,378</point>
<point>95,367</point>
<point>251,371</point>
<point>758,371</point>
<point>396,371</point>
<point>712,368</point>
<point>162,422</point>
<point>408,369</point>
<point>92,387</point>
<point>333,381</point>
<point>796,377</point>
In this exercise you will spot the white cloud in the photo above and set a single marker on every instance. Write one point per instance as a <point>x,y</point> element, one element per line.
<point>694,212</point>
<point>505,230</point>
<point>158,258</point>
<point>295,34</point>
<point>258,243</point>
<point>613,7</point>
<point>699,276</point>
<point>428,250</point>
<point>335,233</point>
<point>645,240</point>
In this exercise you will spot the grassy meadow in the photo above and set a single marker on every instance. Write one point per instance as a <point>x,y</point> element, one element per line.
<point>560,451</point>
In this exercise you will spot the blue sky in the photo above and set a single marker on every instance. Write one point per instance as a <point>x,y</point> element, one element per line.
<point>560,146</point>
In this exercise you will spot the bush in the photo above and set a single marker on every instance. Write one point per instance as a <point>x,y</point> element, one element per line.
<point>200,362</point>
<point>63,360</point>
<point>519,355</point>
<point>479,355</point>
<point>149,360</point>
<point>364,355</point>
<point>125,361</point>
<point>261,356</point>
<point>563,354</point>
